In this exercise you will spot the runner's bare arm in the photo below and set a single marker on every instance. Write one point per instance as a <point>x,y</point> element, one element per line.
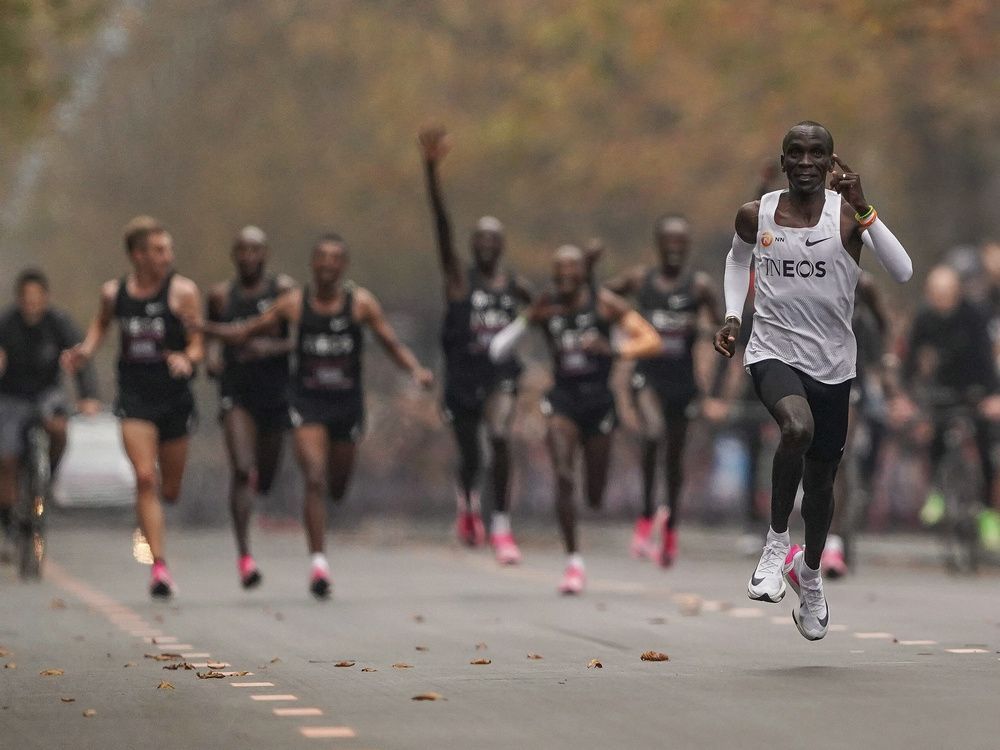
<point>264,347</point>
<point>626,283</point>
<point>185,301</point>
<point>76,357</point>
<point>369,311</point>
<point>435,145</point>
<point>213,347</point>
<point>288,307</point>
<point>641,339</point>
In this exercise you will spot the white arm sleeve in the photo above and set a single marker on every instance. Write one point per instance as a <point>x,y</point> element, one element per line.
<point>736,281</point>
<point>505,342</point>
<point>889,251</point>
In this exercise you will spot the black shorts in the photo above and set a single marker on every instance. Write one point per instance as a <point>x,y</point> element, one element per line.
<point>593,414</point>
<point>344,419</point>
<point>464,400</point>
<point>269,416</point>
<point>173,417</point>
<point>830,404</point>
<point>674,397</point>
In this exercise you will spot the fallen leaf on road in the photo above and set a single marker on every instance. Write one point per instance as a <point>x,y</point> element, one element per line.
<point>180,665</point>
<point>164,657</point>
<point>213,675</point>
<point>89,712</point>
<point>68,700</point>
<point>536,657</point>
<point>58,604</point>
<point>422,648</point>
<point>51,672</point>
<point>344,664</point>
<point>10,665</point>
<point>400,665</point>
<point>4,653</point>
<point>216,665</point>
<point>428,697</point>
<point>239,674</point>
<point>595,664</point>
<point>654,656</point>
<point>481,661</point>
<point>128,664</point>
<point>481,646</point>
<point>369,669</point>
<point>164,685</point>
<point>275,660</point>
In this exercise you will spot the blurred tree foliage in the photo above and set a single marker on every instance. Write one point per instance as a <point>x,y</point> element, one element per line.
<point>37,38</point>
<point>570,118</point>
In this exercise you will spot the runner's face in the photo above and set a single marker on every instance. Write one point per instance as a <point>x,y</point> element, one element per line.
<point>487,247</point>
<point>250,259</point>
<point>32,301</point>
<point>673,245</point>
<point>568,275</point>
<point>807,159</point>
<point>329,262</point>
<point>157,257</point>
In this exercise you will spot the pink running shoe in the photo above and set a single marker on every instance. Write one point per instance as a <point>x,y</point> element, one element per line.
<point>249,572</point>
<point>642,539</point>
<point>469,528</point>
<point>161,584</point>
<point>832,562</point>
<point>573,580</point>
<point>789,568</point>
<point>319,583</point>
<point>668,553</point>
<point>505,549</point>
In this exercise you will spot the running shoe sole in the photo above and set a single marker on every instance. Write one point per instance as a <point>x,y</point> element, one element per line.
<point>767,597</point>
<point>321,589</point>
<point>252,581</point>
<point>795,619</point>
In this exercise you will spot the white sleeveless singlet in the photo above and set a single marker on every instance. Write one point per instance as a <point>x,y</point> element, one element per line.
<point>805,282</point>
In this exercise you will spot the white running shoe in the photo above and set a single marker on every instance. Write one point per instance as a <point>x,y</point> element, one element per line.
<point>812,617</point>
<point>766,583</point>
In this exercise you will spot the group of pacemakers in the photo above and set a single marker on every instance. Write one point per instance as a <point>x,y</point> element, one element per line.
<point>799,248</point>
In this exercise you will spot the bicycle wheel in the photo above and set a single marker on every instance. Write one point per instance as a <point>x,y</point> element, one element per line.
<point>34,499</point>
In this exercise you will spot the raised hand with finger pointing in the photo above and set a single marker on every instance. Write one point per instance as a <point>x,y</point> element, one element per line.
<point>847,182</point>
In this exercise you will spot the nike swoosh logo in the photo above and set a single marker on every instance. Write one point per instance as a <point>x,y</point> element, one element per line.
<point>825,619</point>
<point>756,581</point>
<point>810,243</point>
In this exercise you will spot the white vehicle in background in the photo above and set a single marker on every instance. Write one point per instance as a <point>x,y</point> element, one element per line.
<point>94,472</point>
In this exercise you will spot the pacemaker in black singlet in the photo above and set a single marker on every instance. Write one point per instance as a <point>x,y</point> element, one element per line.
<point>469,326</point>
<point>674,315</point>
<point>149,331</point>
<point>259,386</point>
<point>327,384</point>
<point>581,391</point>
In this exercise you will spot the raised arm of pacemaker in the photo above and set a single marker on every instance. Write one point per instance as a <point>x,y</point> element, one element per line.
<point>736,280</point>
<point>889,251</point>
<point>504,344</point>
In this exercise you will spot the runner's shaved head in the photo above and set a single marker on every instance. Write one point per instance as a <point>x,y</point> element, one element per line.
<point>807,125</point>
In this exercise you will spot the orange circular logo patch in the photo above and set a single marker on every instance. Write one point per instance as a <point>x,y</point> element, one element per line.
<point>766,239</point>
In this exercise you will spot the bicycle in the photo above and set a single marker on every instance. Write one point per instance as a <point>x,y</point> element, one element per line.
<point>34,483</point>
<point>961,488</point>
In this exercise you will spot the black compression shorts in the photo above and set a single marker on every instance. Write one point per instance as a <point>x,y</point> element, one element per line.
<point>272,416</point>
<point>344,419</point>
<point>674,397</point>
<point>593,415</point>
<point>830,404</point>
<point>173,417</point>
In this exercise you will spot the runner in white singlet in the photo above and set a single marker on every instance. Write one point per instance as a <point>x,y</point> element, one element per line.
<point>806,245</point>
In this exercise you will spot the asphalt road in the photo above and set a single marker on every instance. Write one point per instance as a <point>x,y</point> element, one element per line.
<point>913,659</point>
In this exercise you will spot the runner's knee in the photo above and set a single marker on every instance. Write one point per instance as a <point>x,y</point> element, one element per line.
<point>145,480</point>
<point>796,432</point>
